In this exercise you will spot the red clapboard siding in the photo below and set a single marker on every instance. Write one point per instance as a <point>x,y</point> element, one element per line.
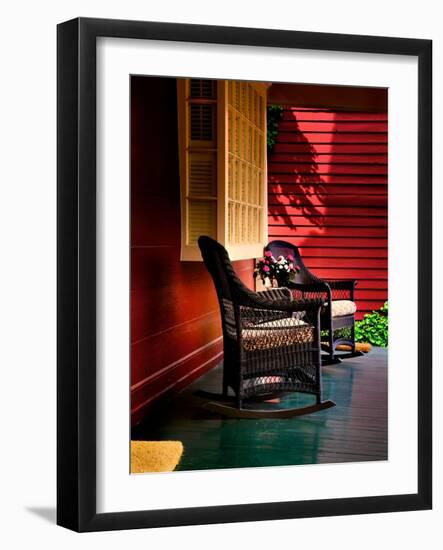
<point>287,136</point>
<point>325,148</point>
<point>333,199</point>
<point>316,126</point>
<point>330,253</point>
<point>289,208</point>
<point>282,231</point>
<point>314,180</point>
<point>327,194</point>
<point>359,189</point>
<point>175,319</point>
<point>328,221</point>
<point>324,116</point>
<point>292,167</point>
<point>327,158</point>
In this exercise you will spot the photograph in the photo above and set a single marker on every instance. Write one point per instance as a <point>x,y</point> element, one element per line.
<point>221,275</point>
<point>258,274</point>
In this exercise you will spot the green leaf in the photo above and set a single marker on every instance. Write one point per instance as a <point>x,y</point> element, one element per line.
<point>373,328</point>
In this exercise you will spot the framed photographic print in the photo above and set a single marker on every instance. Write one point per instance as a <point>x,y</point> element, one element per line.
<point>244,274</point>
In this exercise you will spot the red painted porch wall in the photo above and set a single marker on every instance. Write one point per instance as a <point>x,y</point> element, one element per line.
<point>175,325</point>
<point>328,195</point>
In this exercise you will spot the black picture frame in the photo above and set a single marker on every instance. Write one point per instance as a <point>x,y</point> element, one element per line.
<point>76,280</point>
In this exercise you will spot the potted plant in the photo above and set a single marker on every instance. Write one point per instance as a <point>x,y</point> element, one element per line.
<point>276,271</point>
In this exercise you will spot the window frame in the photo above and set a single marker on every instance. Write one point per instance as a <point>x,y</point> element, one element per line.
<point>237,251</point>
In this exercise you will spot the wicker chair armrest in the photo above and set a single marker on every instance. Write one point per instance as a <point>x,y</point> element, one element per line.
<point>342,284</point>
<point>280,293</point>
<point>320,286</point>
<point>255,300</point>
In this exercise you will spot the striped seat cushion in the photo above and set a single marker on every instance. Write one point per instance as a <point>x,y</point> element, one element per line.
<point>276,334</point>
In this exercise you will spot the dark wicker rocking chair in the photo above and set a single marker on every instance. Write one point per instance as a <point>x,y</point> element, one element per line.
<point>338,295</point>
<point>271,343</point>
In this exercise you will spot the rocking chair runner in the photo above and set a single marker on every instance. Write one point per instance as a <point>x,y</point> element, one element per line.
<point>271,342</point>
<point>339,308</point>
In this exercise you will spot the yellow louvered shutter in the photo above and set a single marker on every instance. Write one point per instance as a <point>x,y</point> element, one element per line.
<point>246,104</point>
<point>222,137</point>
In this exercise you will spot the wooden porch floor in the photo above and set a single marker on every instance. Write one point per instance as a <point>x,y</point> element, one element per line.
<point>353,431</point>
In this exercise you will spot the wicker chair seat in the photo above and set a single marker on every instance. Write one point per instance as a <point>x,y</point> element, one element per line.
<point>276,334</point>
<point>340,308</point>
<point>271,342</point>
<point>339,293</point>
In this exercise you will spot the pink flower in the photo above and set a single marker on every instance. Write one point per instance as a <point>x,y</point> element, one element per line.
<point>290,258</point>
<point>268,254</point>
<point>266,268</point>
<point>280,258</point>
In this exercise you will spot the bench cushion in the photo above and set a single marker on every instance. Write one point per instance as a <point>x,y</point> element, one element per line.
<point>343,307</point>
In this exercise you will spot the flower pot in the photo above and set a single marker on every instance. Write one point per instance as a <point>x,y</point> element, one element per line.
<point>282,281</point>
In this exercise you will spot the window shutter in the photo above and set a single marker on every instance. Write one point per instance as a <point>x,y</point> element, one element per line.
<point>222,139</point>
<point>247,171</point>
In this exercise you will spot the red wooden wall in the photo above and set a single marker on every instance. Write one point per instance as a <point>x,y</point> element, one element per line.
<point>175,326</point>
<point>328,195</point>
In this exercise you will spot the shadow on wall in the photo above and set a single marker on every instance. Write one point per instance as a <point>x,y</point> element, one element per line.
<point>327,194</point>
<point>295,180</point>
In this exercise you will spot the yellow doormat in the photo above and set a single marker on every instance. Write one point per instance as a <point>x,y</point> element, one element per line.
<point>359,346</point>
<point>155,456</point>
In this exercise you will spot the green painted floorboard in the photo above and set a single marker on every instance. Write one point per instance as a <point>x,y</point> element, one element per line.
<point>353,431</point>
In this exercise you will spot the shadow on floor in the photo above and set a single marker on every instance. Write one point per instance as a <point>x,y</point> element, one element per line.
<point>353,431</point>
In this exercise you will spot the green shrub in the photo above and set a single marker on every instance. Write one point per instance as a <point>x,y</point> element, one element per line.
<point>373,328</point>
<point>274,115</point>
